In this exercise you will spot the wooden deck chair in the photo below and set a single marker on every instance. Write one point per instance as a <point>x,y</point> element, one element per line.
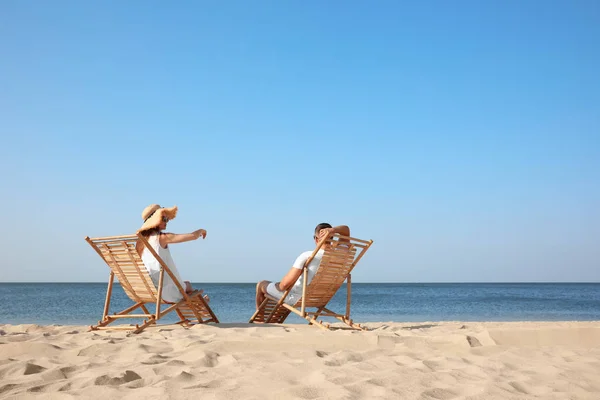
<point>121,256</point>
<point>342,253</point>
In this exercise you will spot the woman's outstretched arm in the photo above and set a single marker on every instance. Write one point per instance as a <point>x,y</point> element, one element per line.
<point>167,238</point>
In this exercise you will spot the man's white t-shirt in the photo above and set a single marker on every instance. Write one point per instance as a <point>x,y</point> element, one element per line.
<point>296,291</point>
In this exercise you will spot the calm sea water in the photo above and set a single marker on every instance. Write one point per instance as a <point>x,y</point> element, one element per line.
<point>82,303</point>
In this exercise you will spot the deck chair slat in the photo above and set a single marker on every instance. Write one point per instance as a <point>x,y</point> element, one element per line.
<point>132,273</point>
<point>121,253</point>
<point>114,265</point>
<point>337,260</point>
<point>141,290</point>
<point>136,283</point>
<point>131,268</point>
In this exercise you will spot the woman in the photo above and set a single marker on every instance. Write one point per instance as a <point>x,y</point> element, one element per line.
<point>155,222</point>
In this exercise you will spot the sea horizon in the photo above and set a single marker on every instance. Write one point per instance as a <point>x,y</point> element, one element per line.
<point>77,303</point>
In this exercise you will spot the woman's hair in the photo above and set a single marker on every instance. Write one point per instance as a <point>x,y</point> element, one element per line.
<point>139,247</point>
<point>149,232</point>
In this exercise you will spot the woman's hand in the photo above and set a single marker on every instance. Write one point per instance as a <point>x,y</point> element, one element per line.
<point>199,233</point>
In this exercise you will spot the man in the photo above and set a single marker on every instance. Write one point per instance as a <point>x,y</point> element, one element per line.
<point>278,289</point>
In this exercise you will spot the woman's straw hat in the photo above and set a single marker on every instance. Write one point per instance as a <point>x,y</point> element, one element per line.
<point>153,214</point>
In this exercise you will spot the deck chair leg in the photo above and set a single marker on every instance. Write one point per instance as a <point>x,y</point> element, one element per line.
<point>313,321</point>
<point>261,308</point>
<point>147,323</point>
<point>348,295</point>
<point>345,320</point>
<point>271,311</point>
<point>317,313</point>
<point>182,319</point>
<point>206,307</point>
<point>111,279</point>
<point>352,324</point>
<point>188,302</point>
<point>104,320</point>
<point>145,309</point>
<point>268,319</point>
<point>192,307</point>
<point>210,311</point>
<point>107,319</point>
<point>181,316</point>
<point>103,323</point>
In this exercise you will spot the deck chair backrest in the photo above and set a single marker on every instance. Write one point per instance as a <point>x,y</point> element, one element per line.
<point>341,255</point>
<point>121,256</point>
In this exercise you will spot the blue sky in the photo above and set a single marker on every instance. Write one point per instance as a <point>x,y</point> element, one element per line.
<point>463,138</point>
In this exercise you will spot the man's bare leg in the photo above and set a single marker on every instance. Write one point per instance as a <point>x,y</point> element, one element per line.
<point>261,290</point>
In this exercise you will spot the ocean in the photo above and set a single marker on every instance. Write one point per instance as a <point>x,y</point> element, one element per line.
<point>82,303</point>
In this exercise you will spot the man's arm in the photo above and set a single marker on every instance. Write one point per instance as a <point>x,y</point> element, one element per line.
<point>341,229</point>
<point>289,279</point>
<point>294,273</point>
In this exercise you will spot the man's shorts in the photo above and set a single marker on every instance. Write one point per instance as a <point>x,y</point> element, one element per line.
<point>291,299</point>
<point>272,291</point>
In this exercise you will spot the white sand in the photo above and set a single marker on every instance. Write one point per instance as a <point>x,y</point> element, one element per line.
<point>448,360</point>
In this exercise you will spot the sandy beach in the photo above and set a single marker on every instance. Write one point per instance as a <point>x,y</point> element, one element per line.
<point>447,360</point>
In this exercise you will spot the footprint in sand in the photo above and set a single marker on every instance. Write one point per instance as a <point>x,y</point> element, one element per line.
<point>53,375</point>
<point>473,341</point>
<point>199,342</point>
<point>170,369</point>
<point>432,365</point>
<point>31,369</point>
<point>342,358</point>
<point>101,350</point>
<point>440,394</point>
<point>106,380</point>
<point>307,392</point>
<point>185,377</point>
<point>72,370</point>
<point>214,384</point>
<point>37,389</point>
<point>155,359</point>
<point>7,388</point>
<point>211,359</point>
